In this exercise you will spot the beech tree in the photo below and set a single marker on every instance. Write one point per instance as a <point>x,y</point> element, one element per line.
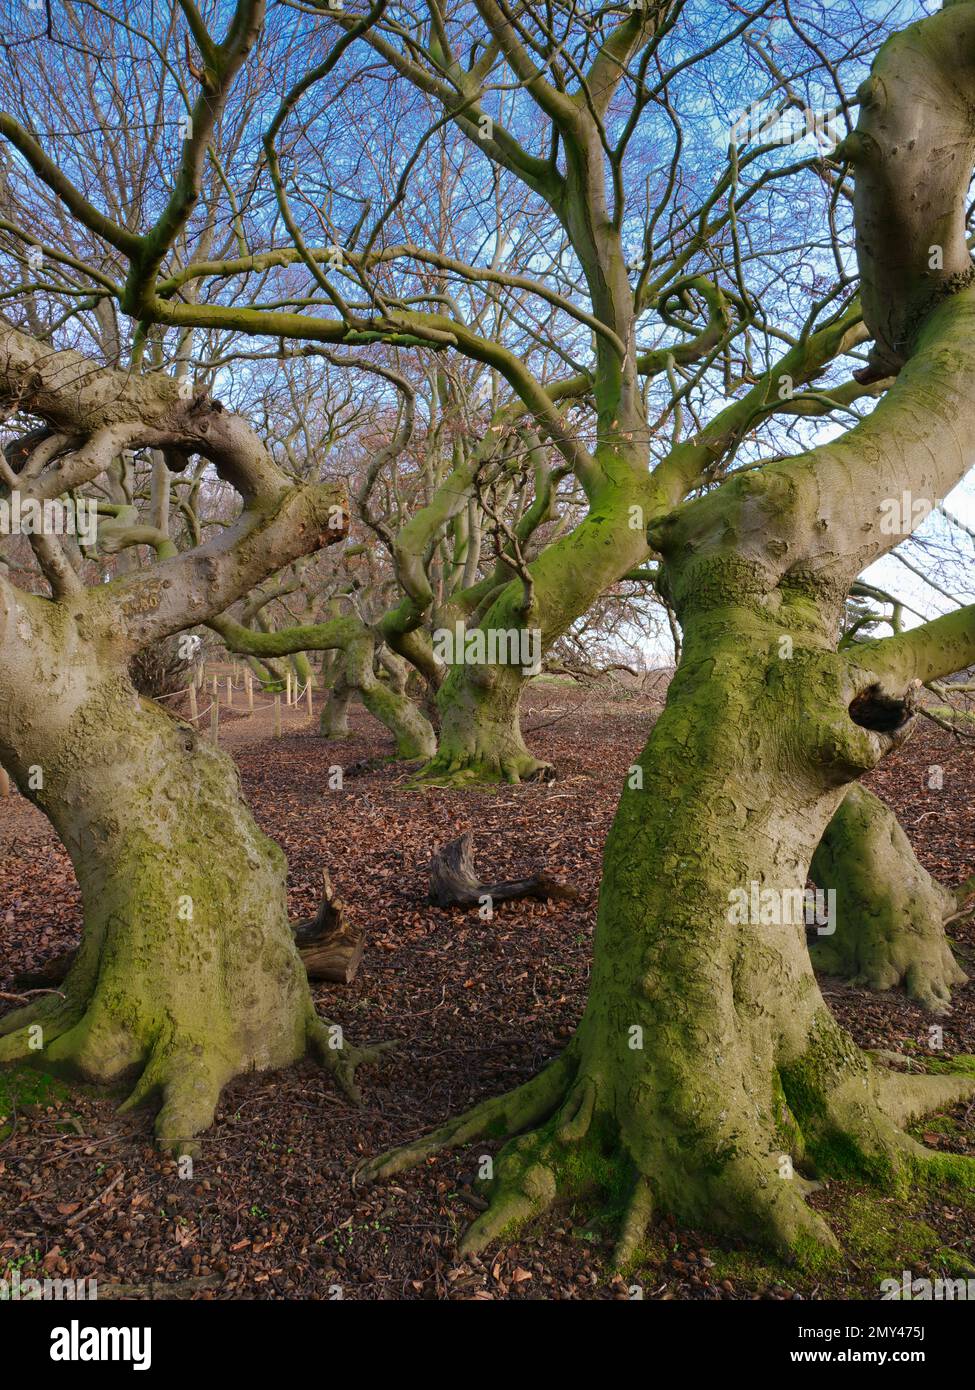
<point>708,1078</point>
<point>691,284</point>
<point>460,518</point>
<point>380,259</point>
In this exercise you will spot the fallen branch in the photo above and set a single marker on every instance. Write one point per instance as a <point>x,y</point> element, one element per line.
<point>183,1288</point>
<point>25,997</point>
<point>95,1201</point>
<point>454,881</point>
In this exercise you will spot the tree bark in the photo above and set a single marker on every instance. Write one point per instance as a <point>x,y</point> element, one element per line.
<point>708,1078</point>
<point>329,946</point>
<point>333,721</point>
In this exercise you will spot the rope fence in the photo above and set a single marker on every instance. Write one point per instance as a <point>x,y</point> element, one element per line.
<point>295,695</point>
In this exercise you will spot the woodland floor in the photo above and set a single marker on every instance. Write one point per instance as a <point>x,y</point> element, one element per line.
<point>478,1006</point>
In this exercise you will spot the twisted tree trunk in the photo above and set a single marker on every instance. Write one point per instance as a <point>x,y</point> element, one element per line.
<point>707,1078</point>
<point>411,730</point>
<point>187,973</point>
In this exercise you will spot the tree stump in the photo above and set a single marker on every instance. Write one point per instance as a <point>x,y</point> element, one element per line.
<point>329,944</point>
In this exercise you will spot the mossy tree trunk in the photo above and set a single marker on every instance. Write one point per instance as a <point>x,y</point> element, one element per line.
<point>707,1078</point>
<point>480,728</point>
<point>411,730</point>
<point>187,974</point>
<point>333,722</point>
<point>890,912</point>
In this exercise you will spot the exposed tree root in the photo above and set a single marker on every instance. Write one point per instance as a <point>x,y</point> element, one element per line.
<point>187,1075</point>
<point>18,1036</point>
<point>890,912</point>
<point>338,1057</point>
<point>463,770</point>
<point>566,1144</point>
<point>189,1086</point>
<point>500,1117</point>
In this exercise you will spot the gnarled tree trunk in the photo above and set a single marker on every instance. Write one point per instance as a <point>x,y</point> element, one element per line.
<point>187,973</point>
<point>708,1078</point>
<point>410,728</point>
<point>480,730</point>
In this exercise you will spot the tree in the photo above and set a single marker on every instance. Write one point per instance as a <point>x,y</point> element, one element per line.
<point>187,973</point>
<point>605,272</point>
<point>707,1077</point>
<point>890,912</point>
<point>656,347</point>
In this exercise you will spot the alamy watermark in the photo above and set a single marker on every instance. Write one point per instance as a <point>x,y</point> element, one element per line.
<point>77,1343</point>
<point>776,907</point>
<point>14,1289</point>
<point>29,516</point>
<point>899,516</point>
<point>788,127</point>
<point>927,1290</point>
<point>494,646</point>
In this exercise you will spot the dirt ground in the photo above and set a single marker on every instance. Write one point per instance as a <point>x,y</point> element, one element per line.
<point>477,1006</point>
